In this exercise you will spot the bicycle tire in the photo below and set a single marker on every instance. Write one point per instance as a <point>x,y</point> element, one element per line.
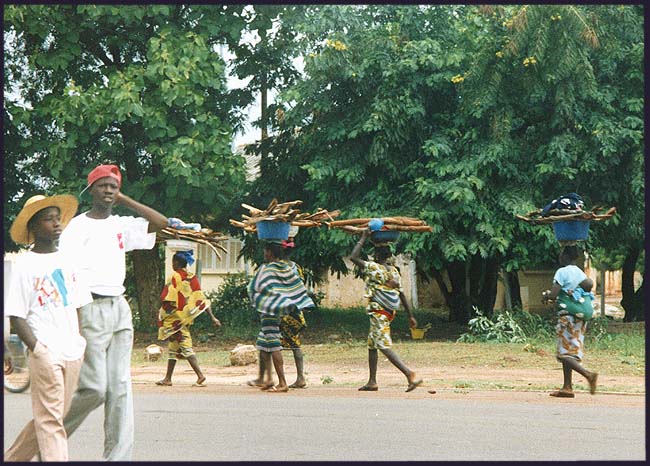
<point>16,370</point>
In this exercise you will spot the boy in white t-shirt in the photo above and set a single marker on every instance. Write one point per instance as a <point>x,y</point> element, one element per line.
<point>42,304</point>
<point>99,242</point>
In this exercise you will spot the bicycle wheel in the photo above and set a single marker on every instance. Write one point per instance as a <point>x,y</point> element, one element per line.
<point>16,371</point>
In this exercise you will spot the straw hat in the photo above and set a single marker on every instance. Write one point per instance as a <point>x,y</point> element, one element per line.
<point>66,203</point>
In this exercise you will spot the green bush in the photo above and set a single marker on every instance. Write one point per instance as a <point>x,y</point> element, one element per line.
<point>231,305</point>
<point>508,326</point>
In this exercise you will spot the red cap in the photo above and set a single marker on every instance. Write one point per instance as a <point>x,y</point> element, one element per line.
<point>103,171</point>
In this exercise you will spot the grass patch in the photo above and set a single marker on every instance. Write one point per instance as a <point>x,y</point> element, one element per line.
<point>337,336</point>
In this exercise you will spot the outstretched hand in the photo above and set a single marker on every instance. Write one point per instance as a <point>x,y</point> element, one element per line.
<point>216,322</point>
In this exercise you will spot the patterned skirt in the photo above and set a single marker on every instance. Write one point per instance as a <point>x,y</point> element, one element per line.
<point>290,327</point>
<point>268,339</point>
<point>570,336</point>
<point>379,334</point>
<point>180,344</point>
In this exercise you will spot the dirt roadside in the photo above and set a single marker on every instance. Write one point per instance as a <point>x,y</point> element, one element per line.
<point>507,385</point>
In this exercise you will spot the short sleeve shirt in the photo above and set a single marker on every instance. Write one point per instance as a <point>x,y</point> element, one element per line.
<point>45,291</point>
<point>100,246</point>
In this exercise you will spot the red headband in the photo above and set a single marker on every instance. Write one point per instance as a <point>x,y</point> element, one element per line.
<point>287,244</point>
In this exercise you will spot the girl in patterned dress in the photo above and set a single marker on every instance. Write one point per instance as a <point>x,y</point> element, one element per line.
<point>570,329</point>
<point>182,302</point>
<point>384,294</point>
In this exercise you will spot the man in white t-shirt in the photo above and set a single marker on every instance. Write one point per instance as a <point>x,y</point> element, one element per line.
<point>99,241</point>
<point>43,299</point>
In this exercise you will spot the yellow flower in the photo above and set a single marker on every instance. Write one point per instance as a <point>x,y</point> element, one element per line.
<point>457,79</point>
<point>530,61</point>
<point>338,45</point>
<point>499,54</point>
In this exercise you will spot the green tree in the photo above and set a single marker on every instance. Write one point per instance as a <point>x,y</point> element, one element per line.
<point>463,116</point>
<point>139,86</point>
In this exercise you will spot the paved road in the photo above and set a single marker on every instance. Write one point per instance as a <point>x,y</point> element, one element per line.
<point>253,426</point>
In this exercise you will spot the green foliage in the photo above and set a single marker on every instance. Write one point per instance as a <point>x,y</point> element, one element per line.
<point>508,326</point>
<point>232,306</point>
<point>140,86</point>
<point>464,116</point>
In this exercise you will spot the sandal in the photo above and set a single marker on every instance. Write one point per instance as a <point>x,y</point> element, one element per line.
<point>266,386</point>
<point>562,394</point>
<point>413,385</point>
<point>277,390</point>
<point>369,388</point>
<point>294,385</point>
<point>163,383</point>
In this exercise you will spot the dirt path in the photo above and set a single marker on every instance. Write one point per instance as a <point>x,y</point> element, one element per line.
<point>448,382</point>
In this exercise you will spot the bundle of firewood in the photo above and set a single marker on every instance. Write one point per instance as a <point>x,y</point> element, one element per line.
<point>556,215</point>
<point>204,236</point>
<point>283,212</point>
<point>357,225</point>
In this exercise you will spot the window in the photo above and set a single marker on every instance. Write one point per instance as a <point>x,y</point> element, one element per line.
<point>228,263</point>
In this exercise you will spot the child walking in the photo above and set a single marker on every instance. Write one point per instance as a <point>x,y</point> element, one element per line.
<point>43,302</point>
<point>182,302</point>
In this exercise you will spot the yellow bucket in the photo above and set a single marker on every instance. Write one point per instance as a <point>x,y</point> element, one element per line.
<point>418,333</point>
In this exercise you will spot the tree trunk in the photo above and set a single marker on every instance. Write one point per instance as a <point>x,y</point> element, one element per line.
<point>459,302</point>
<point>476,274</point>
<point>632,301</point>
<point>512,278</point>
<point>264,105</point>
<point>148,276</point>
<point>488,294</point>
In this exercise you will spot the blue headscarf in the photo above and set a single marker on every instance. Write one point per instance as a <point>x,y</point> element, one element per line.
<point>187,255</point>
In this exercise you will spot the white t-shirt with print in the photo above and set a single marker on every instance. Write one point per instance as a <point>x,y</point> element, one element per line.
<point>100,247</point>
<point>45,290</point>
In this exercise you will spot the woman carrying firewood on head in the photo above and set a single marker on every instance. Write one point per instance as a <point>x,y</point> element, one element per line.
<point>384,294</point>
<point>294,323</point>
<point>572,289</point>
<point>182,302</point>
<point>275,291</point>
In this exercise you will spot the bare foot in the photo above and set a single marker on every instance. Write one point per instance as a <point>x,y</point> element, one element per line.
<point>593,382</point>
<point>368,388</point>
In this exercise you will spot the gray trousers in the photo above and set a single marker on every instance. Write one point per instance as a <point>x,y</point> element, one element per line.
<point>105,376</point>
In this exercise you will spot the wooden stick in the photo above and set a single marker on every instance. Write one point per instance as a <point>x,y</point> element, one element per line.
<point>403,221</point>
<point>408,227</point>
<point>352,221</point>
<point>253,210</point>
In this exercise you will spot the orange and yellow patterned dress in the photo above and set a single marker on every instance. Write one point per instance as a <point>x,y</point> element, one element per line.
<point>182,302</point>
